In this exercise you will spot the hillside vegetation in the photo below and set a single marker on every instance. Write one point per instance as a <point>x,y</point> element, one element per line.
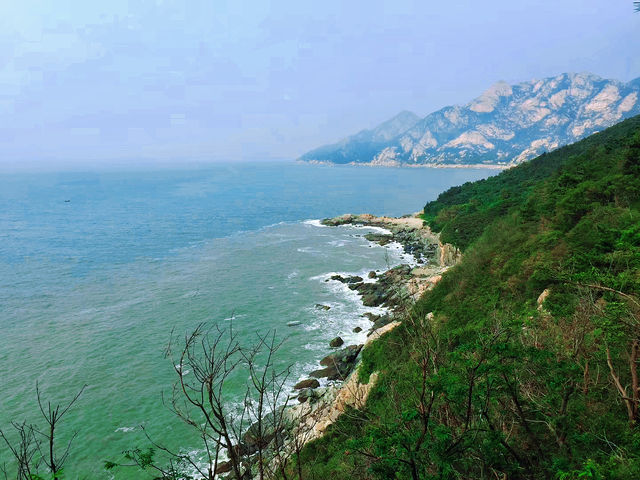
<point>522,362</point>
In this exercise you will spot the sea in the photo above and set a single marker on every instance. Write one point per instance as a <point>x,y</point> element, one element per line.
<point>98,269</point>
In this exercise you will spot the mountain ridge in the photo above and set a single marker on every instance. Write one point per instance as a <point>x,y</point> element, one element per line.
<point>505,125</point>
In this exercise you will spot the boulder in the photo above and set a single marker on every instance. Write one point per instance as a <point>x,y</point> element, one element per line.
<point>372,299</point>
<point>304,395</point>
<point>379,238</point>
<point>331,373</point>
<point>381,322</point>
<point>388,291</point>
<point>336,342</point>
<point>338,364</point>
<point>334,222</point>
<point>357,330</point>
<point>308,383</point>
<point>309,394</point>
<point>371,316</point>
<point>344,356</point>
<point>349,280</point>
<point>372,274</point>
<point>319,306</point>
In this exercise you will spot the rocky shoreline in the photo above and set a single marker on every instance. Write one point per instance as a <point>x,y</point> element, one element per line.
<point>397,288</point>
<point>393,289</point>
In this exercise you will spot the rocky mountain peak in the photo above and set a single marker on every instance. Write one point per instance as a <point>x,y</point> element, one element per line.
<point>488,101</point>
<point>507,124</point>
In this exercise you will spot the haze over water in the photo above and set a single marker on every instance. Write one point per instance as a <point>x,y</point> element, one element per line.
<point>97,268</point>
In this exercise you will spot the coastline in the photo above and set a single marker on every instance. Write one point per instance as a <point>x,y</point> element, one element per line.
<point>395,164</point>
<point>322,395</point>
<point>319,407</point>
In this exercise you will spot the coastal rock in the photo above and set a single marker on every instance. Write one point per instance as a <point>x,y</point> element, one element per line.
<point>305,394</point>
<point>381,331</point>
<point>313,395</point>
<point>388,290</point>
<point>415,243</point>
<point>402,284</point>
<point>330,373</point>
<point>379,238</point>
<point>449,255</point>
<point>410,231</point>
<point>317,417</point>
<point>337,221</point>
<point>310,394</point>
<point>380,322</point>
<point>349,280</point>
<point>308,383</point>
<point>339,364</point>
<point>336,342</point>
<point>346,355</point>
<point>320,407</point>
<point>319,306</point>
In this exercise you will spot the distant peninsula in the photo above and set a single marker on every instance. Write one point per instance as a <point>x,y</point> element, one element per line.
<point>505,126</point>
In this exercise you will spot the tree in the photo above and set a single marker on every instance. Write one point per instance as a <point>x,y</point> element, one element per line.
<point>36,449</point>
<point>252,436</point>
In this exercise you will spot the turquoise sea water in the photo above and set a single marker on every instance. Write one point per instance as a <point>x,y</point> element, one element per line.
<point>97,268</point>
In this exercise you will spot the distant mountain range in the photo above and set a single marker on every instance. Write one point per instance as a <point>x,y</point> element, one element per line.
<point>507,124</point>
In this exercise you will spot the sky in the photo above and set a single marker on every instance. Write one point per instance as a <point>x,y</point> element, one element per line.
<point>118,82</point>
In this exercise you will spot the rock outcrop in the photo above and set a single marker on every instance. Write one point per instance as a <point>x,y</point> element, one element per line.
<point>319,406</point>
<point>314,417</point>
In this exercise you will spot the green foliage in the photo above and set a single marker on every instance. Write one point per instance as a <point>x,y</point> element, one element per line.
<point>58,476</point>
<point>499,383</point>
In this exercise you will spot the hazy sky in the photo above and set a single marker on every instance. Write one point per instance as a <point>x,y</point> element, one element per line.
<point>89,81</point>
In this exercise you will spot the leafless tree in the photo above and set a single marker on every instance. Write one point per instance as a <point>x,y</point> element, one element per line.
<point>35,448</point>
<point>629,392</point>
<point>267,400</point>
<point>52,416</point>
<point>23,451</point>
<point>253,435</point>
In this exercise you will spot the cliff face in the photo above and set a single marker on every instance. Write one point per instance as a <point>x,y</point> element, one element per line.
<point>507,124</point>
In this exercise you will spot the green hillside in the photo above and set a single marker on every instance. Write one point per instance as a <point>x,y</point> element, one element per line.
<point>528,366</point>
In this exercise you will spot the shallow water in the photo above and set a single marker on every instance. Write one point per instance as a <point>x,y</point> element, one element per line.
<point>97,268</point>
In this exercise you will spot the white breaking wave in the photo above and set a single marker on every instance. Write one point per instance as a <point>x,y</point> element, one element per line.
<point>373,229</point>
<point>314,222</point>
<point>125,429</point>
